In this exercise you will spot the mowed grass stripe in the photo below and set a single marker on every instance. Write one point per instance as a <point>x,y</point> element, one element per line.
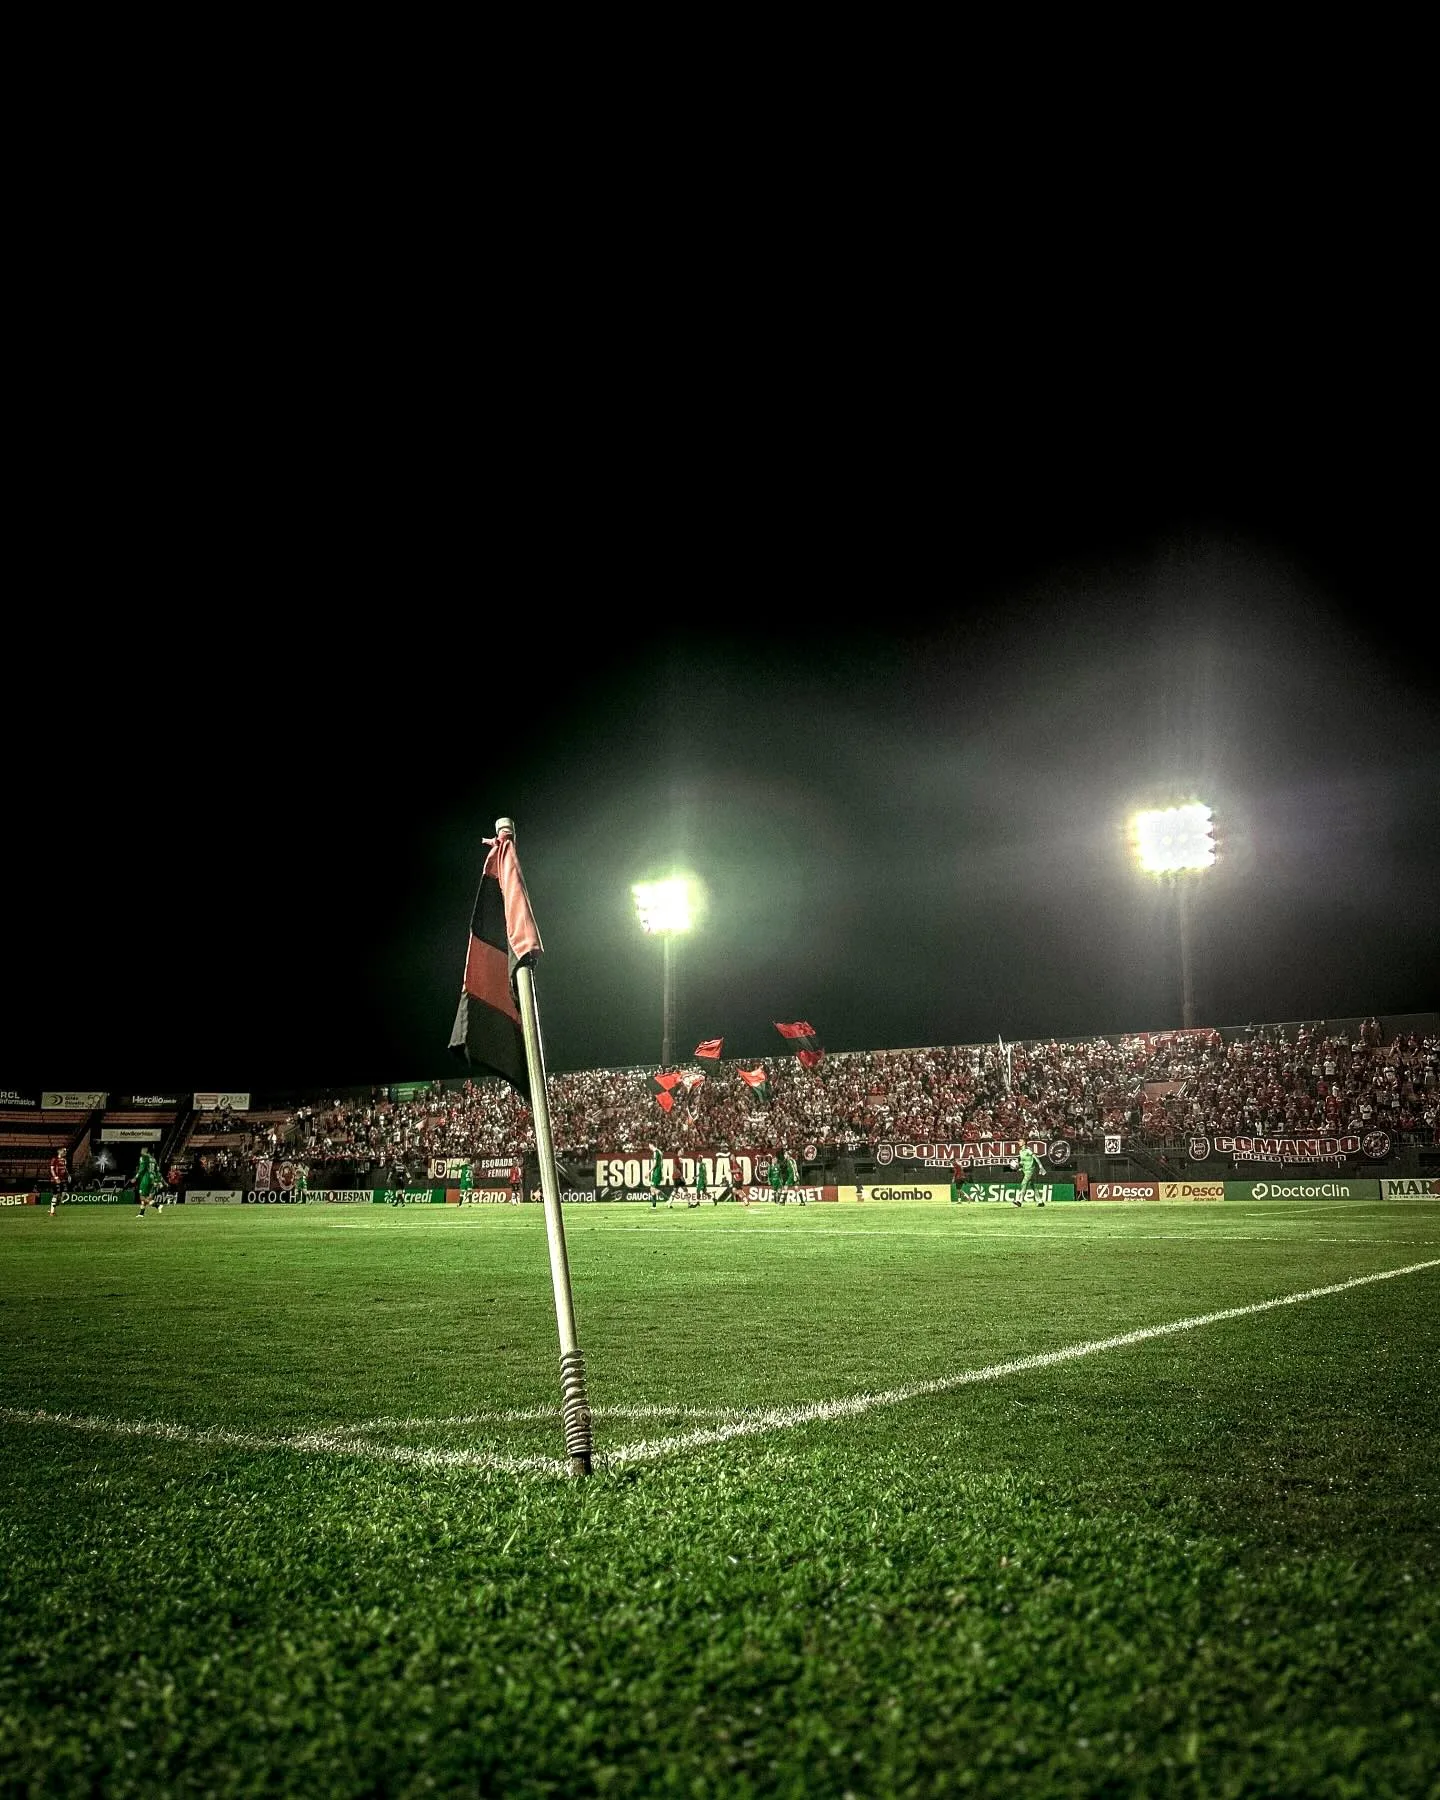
<point>744,1422</point>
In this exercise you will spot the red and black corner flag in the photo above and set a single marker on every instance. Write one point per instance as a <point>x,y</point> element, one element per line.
<point>663,1086</point>
<point>488,1034</point>
<point>759,1080</point>
<point>710,1049</point>
<point>809,1051</point>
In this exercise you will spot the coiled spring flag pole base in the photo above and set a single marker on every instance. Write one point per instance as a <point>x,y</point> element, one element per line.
<point>577,1412</point>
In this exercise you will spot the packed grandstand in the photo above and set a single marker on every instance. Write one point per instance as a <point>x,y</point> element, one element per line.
<point>1357,1097</point>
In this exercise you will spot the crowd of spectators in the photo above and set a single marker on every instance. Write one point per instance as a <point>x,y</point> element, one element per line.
<point>1152,1089</point>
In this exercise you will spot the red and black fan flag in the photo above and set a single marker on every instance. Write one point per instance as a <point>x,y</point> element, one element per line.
<point>759,1080</point>
<point>488,1034</point>
<point>710,1049</point>
<point>663,1087</point>
<point>809,1051</point>
<point>691,1083</point>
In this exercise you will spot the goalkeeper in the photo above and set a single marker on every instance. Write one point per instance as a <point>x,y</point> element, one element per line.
<point>1030,1167</point>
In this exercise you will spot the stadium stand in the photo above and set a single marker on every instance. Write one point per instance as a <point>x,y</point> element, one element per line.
<point>1154,1091</point>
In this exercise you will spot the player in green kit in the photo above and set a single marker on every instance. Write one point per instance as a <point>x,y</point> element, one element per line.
<point>148,1180</point>
<point>1030,1167</point>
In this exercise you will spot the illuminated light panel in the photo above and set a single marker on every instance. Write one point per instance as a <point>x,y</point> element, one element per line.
<point>663,905</point>
<point>1180,838</point>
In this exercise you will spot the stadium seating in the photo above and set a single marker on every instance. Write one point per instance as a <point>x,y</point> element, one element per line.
<point>1152,1090</point>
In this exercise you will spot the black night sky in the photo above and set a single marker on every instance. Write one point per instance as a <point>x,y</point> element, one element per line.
<point>887,679</point>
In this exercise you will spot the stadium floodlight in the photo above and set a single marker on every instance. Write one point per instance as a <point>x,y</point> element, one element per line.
<point>1178,841</point>
<point>665,910</point>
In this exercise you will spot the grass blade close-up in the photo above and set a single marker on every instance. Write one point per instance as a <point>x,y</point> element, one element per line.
<point>887,1500</point>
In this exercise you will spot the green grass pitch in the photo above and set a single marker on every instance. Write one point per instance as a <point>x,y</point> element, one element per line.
<point>283,1510</point>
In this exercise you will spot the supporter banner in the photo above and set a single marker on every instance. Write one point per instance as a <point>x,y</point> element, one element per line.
<point>212,1196</point>
<point>1415,1187</point>
<point>1192,1190</point>
<point>983,1153</point>
<point>408,1196</point>
<point>1374,1146</point>
<point>907,1191</point>
<point>109,1197</point>
<point>1061,1191</point>
<point>19,1199</point>
<point>271,1172</point>
<point>18,1097</point>
<point>735,1168</point>
<point>1124,1190</point>
<point>213,1102</point>
<point>73,1100</point>
<point>1291,1188</point>
<point>130,1134</point>
<point>451,1168</point>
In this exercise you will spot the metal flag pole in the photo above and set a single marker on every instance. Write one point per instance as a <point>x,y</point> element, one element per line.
<point>572,1363</point>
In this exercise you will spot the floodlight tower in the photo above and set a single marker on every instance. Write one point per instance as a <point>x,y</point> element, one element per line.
<point>665,910</point>
<point>1179,844</point>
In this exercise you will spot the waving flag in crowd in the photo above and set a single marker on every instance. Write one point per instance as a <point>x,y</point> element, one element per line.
<point>691,1083</point>
<point>759,1081</point>
<point>808,1049</point>
<point>663,1087</point>
<point>487,1032</point>
<point>710,1049</point>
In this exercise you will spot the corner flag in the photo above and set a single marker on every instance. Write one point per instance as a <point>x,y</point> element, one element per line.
<point>499,1015</point>
<point>487,1032</point>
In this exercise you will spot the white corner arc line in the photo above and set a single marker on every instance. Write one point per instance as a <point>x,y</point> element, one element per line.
<point>306,1443</point>
<point>347,1443</point>
<point>784,1418</point>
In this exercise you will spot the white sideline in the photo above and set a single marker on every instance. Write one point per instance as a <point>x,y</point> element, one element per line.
<point>741,1423</point>
<point>783,1418</point>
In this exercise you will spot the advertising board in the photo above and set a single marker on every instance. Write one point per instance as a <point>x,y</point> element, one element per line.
<point>1010,1191</point>
<point>1291,1187</point>
<point>1124,1190</point>
<point>905,1192</point>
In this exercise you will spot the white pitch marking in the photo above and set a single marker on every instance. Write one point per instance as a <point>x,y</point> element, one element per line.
<point>323,1443</point>
<point>746,1424</point>
<point>785,1418</point>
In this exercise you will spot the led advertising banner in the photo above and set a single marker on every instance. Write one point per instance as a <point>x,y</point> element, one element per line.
<point>1290,1187</point>
<point>907,1192</point>
<point>1192,1190</point>
<point>1011,1191</point>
